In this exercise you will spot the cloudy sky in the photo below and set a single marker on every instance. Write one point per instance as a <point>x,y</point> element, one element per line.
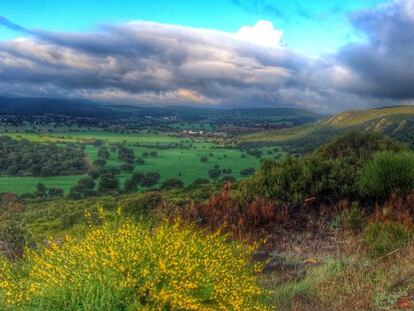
<point>327,56</point>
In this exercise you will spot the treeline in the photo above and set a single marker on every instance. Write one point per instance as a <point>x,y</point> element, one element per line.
<point>25,158</point>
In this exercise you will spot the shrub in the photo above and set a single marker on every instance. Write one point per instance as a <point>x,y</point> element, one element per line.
<point>247,172</point>
<point>150,179</point>
<point>142,206</point>
<point>330,173</point>
<point>172,183</point>
<point>14,235</point>
<point>134,267</point>
<point>353,219</point>
<point>199,181</point>
<point>108,182</point>
<point>388,173</point>
<point>384,238</point>
<point>214,173</point>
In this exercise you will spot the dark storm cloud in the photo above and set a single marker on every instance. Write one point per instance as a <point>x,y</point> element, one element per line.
<point>383,66</point>
<point>151,63</point>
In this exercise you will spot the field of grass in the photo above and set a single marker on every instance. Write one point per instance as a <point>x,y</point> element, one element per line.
<point>181,161</point>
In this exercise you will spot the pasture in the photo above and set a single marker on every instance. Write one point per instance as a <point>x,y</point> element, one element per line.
<point>176,157</point>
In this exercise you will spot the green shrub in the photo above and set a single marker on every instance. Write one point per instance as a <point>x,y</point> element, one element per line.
<point>331,172</point>
<point>387,173</point>
<point>141,206</point>
<point>134,267</point>
<point>384,238</point>
<point>353,219</point>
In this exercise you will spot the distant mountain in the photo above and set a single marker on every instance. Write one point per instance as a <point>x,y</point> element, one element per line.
<point>88,109</point>
<point>396,122</point>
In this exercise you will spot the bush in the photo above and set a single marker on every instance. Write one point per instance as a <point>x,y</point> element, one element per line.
<point>134,267</point>
<point>142,206</point>
<point>353,219</point>
<point>108,182</point>
<point>387,173</point>
<point>172,183</point>
<point>247,172</point>
<point>150,179</point>
<point>14,235</point>
<point>384,238</point>
<point>330,173</point>
<point>214,173</point>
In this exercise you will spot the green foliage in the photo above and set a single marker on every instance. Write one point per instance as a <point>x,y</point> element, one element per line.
<point>126,154</point>
<point>25,158</point>
<point>103,152</point>
<point>172,183</point>
<point>214,173</point>
<point>247,171</point>
<point>150,179</point>
<point>108,182</point>
<point>387,173</point>
<point>134,267</point>
<point>353,219</point>
<point>141,206</point>
<point>331,172</point>
<point>384,238</point>
<point>83,189</point>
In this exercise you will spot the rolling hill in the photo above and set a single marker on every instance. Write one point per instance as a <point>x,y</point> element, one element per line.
<point>396,122</point>
<point>88,109</point>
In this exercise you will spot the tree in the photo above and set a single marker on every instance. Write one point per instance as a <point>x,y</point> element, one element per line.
<point>172,183</point>
<point>126,154</point>
<point>41,190</point>
<point>108,182</point>
<point>83,189</point>
<point>247,171</point>
<point>99,162</point>
<point>103,152</point>
<point>214,173</point>
<point>132,183</point>
<point>56,192</point>
<point>150,179</point>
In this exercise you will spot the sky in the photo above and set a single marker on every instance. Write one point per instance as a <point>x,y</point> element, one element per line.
<point>320,55</point>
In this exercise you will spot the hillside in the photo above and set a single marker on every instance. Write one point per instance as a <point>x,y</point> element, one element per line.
<point>88,109</point>
<point>396,122</point>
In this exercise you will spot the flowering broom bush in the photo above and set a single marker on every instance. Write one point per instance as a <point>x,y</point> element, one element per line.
<point>134,267</point>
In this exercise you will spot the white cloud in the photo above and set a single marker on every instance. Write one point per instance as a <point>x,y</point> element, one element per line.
<point>262,33</point>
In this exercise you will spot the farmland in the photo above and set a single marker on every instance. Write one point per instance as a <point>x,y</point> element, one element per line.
<point>176,157</point>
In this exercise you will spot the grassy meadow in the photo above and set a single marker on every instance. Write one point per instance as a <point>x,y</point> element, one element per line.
<point>177,157</point>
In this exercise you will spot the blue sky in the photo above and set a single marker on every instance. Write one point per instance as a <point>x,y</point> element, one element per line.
<point>315,54</point>
<point>310,27</point>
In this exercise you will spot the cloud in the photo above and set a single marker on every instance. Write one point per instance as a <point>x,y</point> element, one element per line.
<point>146,62</point>
<point>383,65</point>
<point>263,33</point>
<point>159,64</point>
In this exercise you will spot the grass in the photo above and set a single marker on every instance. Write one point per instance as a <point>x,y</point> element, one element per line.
<point>177,162</point>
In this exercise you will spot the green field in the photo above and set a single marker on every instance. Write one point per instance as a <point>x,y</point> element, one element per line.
<point>180,161</point>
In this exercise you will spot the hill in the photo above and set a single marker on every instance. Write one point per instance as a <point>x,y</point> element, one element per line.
<point>396,122</point>
<point>88,109</point>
